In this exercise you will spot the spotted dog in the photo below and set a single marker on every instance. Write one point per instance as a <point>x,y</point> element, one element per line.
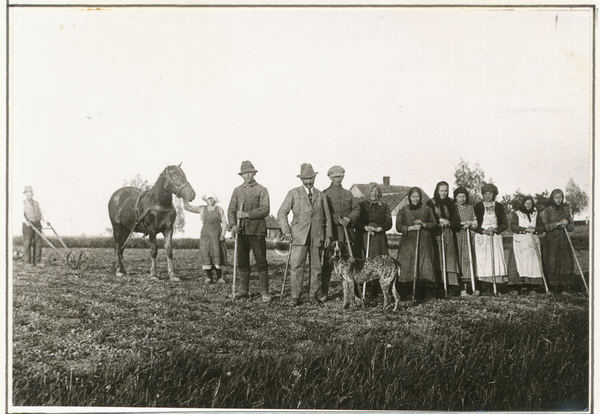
<point>384,268</point>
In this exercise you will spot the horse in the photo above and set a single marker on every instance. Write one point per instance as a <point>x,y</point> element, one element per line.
<point>149,212</point>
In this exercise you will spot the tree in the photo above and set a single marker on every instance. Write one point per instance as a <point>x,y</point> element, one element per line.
<point>471,179</point>
<point>513,202</point>
<point>576,197</point>
<point>139,182</point>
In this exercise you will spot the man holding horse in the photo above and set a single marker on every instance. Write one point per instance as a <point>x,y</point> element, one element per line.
<point>250,205</point>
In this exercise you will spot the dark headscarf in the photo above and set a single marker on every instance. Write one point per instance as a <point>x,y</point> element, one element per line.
<point>461,190</point>
<point>489,188</point>
<point>417,190</point>
<point>524,210</point>
<point>439,202</point>
<point>558,207</point>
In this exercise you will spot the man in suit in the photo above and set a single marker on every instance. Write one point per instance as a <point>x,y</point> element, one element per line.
<point>310,232</point>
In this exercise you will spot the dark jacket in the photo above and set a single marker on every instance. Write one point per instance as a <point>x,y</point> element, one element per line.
<point>453,217</point>
<point>500,216</point>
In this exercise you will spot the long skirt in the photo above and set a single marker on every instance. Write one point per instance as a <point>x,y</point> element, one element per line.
<point>483,251</point>
<point>378,245</point>
<point>464,259</point>
<point>524,261</point>
<point>211,252</point>
<point>449,254</point>
<point>559,263</point>
<point>426,276</point>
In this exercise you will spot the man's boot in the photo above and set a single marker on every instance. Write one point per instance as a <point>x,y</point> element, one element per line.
<point>208,278</point>
<point>244,280</point>
<point>220,276</point>
<point>263,279</point>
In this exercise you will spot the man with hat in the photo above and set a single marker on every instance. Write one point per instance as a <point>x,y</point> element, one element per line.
<point>345,211</point>
<point>310,232</point>
<point>250,203</point>
<point>32,241</point>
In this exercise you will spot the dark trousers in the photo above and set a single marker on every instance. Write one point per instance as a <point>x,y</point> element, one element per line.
<point>32,243</point>
<point>258,246</point>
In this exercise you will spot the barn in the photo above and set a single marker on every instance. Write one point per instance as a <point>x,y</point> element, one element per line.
<point>395,196</point>
<point>273,227</point>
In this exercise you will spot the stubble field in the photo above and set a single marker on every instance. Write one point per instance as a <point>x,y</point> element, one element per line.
<point>89,338</point>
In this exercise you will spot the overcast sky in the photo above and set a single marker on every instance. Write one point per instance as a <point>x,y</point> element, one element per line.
<point>99,96</point>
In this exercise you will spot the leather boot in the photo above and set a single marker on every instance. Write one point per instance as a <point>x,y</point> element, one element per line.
<point>263,279</point>
<point>244,280</point>
<point>208,278</point>
<point>220,276</point>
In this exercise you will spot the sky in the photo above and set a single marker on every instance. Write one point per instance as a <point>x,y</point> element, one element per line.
<point>98,96</point>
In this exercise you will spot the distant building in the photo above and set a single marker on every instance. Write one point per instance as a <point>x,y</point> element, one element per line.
<point>395,196</point>
<point>273,227</point>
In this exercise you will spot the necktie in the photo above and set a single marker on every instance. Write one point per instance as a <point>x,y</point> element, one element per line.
<point>310,195</point>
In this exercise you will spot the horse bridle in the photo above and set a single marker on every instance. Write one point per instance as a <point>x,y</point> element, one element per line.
<point>178,189</point>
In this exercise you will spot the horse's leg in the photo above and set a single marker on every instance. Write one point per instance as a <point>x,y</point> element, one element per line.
<point>169,250</point>
<point>153,254</point>
<point>118,236</point>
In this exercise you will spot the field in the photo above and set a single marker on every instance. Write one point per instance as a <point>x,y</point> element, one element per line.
<point>88,338</point>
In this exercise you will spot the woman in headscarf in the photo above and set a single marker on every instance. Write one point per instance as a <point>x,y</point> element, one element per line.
<point>468,223</point>
<point>491,222</point>
<point>447,222</point>
<point>214,226</point>
<point>416,220</point>
<point>375,219</point>
<point>556,251</point>
<point>524,261</point>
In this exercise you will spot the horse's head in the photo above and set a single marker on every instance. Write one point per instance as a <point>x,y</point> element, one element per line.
<point>176,183</point>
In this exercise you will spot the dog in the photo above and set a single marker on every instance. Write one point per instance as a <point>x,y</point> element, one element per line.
<point>384,268</point>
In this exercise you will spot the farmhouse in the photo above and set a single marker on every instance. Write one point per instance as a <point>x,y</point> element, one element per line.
<point>273,227</point>
<point>395,196</point>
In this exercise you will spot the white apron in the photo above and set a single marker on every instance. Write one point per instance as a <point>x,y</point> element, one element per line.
<point>526,258</point>
<point>483,251</point>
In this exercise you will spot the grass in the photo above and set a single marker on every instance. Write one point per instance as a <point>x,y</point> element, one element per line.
<point>88,338</point>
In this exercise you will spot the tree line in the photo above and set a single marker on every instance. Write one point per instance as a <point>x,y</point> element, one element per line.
<point>474,178</point>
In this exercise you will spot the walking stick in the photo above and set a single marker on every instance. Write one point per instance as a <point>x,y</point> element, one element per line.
<point>416,266</point>
<point>576,260</point>
<point>235,253</point>
<point>366,257</point>
<point>287,263</point>
<point>471,260</point>
<point>493,266</point>
<point>539,257</point>
<point>444,273</point>
<point>348,242</point>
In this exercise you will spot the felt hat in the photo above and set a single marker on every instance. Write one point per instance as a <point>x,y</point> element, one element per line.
<point>27,188</point>
<point>306,171</point>
<point>335,170</point>
<point>246,167</point>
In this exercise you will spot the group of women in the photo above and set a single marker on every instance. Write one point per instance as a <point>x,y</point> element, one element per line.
<point>452,244</point>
